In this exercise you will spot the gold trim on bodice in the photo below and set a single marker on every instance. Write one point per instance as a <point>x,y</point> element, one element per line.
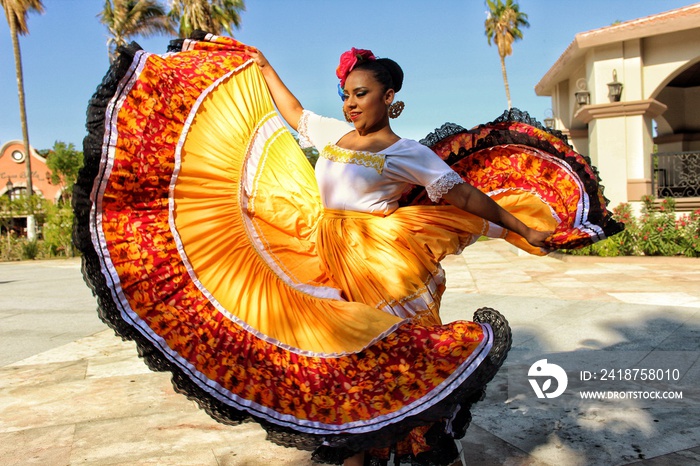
<point>366,159</point>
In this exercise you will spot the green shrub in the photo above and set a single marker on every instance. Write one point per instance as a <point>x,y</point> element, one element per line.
<point>689,238</point>
<point>9,248</point>
<point>55,222</point>
<point>657,232</point>
<point>30,249</point>
<point>57,231</point>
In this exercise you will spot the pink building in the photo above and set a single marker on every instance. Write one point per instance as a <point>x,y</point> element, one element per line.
<point>13,178</point>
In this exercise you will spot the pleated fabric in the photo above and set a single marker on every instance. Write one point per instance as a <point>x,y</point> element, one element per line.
<point>204,240</point>
<point>529,170</point>
<point>392,262</point>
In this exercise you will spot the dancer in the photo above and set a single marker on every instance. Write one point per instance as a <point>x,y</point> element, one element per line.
<point>350,183</point>
<point>310,308</point>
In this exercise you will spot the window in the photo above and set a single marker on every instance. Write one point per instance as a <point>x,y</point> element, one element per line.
<point>18,156</point>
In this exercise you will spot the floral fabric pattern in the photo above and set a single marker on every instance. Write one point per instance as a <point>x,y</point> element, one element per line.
<point>405,372</point>
<point>315,394</point>
<point>524,159</point>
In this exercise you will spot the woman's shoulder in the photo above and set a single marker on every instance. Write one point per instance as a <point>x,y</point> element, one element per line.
<point>316,130</point>
<point>411,153</point>
<point>411,146</point>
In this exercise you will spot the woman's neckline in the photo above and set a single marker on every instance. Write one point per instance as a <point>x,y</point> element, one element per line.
<point>381,151</point>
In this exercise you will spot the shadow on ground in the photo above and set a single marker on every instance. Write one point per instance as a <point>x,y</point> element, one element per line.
<point>624,422</point>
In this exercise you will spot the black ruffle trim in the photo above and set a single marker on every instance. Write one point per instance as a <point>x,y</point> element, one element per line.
<point>500,134</point>
<point>327,449</point>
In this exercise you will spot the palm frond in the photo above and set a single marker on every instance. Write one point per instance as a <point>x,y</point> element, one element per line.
<point>16,11</point>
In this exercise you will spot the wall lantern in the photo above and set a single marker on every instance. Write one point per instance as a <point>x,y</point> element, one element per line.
<point>9,187</point>
<point>583,97</point>
<point>615,88</point>
<point>548,118</point>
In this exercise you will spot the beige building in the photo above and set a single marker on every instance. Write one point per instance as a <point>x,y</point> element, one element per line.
<point>644,139</point>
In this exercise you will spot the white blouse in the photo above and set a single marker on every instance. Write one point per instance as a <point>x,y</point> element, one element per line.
<point>369,181</point>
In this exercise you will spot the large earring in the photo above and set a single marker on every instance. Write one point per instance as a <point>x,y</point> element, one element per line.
<point>395,109</point>
<point>347,117</point>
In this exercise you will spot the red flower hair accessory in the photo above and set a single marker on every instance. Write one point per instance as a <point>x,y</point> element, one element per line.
<point>349,59</point>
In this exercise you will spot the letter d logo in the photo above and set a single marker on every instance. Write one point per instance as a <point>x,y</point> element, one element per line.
<point>543,369</point>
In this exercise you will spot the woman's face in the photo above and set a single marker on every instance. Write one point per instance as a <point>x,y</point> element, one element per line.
<point>366,103</point>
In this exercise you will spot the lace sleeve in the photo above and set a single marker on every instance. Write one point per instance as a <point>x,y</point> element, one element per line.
<point>442,185</point>
<point>303,130</point>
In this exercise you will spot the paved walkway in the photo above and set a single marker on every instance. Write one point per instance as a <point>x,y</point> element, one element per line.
<point>72,393</point>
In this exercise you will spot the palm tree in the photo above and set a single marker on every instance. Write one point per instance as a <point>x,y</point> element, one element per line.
<point>212,16</point>
<point>127,18</point>
<point>16,12</point>
<point>503,27</point>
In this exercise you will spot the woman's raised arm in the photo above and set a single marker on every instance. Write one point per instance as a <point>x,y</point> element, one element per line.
<point>289,107</point>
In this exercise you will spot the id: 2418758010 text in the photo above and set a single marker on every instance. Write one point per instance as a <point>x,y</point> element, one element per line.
<point>668,375</point>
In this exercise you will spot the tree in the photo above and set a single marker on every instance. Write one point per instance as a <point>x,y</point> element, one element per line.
<point>212,16</point>
<point>127,18</point>
<point>503,27</point>
<point>16,13</point>
<point>58,229</point>
<point>65,162</point>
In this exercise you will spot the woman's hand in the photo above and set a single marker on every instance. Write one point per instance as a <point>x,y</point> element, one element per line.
<point>537,238</point>
<point>258,58</point>
<point>470,199</point>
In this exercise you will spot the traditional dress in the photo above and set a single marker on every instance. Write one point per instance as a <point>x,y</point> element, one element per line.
<point>381,255</point>
<point>310,308</point>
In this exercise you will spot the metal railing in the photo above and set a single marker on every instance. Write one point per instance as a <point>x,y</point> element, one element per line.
<point>676,174</point>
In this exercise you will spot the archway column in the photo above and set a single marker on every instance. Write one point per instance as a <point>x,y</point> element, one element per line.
<point>622,145</point>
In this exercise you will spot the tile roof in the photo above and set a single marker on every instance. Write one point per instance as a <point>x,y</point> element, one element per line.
<point>683,18</point>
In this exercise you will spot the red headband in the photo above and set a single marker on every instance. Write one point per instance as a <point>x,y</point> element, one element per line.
<point>348,61</point>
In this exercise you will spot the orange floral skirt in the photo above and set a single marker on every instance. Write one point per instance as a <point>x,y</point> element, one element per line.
<point>204,239</point>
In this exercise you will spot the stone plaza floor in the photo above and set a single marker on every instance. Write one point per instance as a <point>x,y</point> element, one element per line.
<point>72,393</point>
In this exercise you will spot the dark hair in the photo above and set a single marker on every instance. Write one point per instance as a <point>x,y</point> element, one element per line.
<point>386,71</point>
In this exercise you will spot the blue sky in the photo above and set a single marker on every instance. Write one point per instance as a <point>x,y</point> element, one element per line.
<point>452,74</point>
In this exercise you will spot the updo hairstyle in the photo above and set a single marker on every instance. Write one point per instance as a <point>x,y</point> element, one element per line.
<point>385,70</point>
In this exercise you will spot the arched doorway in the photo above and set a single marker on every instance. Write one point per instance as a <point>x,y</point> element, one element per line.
<point>676,162</point>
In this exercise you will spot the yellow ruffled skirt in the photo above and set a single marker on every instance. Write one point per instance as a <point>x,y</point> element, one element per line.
<point>204,239</point>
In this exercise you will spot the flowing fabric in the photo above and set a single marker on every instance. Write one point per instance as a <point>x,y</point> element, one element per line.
<point>528,169</point>
<point>205,241</point>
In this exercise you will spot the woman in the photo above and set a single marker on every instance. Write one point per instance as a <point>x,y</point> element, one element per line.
<point>368,87</point>
<point>308,307</point>
<point>368,94</point>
